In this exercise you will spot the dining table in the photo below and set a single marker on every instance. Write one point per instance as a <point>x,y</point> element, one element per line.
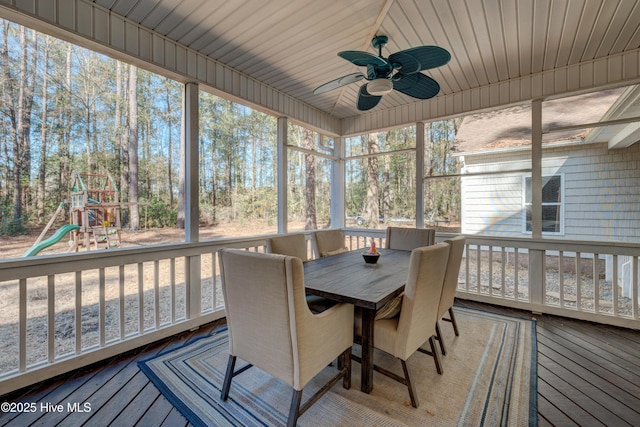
<point>347,278</point>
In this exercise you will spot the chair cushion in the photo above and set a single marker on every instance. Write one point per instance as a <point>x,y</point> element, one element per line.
<point>390,309</point>
<point>336,252</point>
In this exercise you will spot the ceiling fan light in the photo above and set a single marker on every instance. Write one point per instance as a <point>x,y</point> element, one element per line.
<point>379,87</point>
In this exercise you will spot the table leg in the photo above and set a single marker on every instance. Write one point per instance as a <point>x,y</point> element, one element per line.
<point>368,317</point>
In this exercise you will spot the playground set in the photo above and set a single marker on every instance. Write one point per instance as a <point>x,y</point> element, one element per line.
<point>94,216</point>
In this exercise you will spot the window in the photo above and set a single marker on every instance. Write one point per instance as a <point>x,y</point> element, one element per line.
<point>552,208</point>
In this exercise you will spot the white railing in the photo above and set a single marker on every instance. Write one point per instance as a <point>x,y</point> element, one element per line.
<point>64,312</point>
<point>594,281</point>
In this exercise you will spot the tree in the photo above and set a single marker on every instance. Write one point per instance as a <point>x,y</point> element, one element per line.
<point>64,129</point>
<point>443,194</point>
<point>42,169</point>
<point>169,119</point>
<point>133,148</point>
<point>18,104</point>
<point>181,177</point>
<point>310,218</point>
<point>372,213</point>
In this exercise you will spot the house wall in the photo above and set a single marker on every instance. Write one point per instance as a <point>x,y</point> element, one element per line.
<point>601,192</point>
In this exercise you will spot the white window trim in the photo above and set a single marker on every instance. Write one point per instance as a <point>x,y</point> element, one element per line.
<point>562,204</point>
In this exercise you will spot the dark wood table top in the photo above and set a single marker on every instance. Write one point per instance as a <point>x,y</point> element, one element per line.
<point>347,278</point>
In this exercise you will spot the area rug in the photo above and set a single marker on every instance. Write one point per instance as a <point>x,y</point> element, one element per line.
<point>489,379</point>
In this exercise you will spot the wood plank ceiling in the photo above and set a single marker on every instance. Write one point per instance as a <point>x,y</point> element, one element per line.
<point>292,45</point>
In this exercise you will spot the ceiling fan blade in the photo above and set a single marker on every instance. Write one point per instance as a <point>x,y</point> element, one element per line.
<point>362,59</point>
<point>339,82</point>
<point>366,101</point>
<point>419,58</point>
<point>416,85</point>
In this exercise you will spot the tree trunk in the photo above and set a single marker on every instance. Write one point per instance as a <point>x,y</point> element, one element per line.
<point>311,222</point>
<point>181,176</point>
<point>386,190</point>
<point>43,137</point>
<point>31,52</point>
<point>13,130</point>
<point>372,214</point>
<point>134,221</point>
<point>19,154</point>
<point>121,142</point>
<point>22,141</point>
<point>170,148</point>
<point>65,140</point>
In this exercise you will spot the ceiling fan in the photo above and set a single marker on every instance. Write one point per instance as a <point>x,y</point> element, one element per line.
<point>400,71</point>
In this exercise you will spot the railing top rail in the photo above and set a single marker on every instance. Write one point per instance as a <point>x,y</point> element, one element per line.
<point>18,268</point>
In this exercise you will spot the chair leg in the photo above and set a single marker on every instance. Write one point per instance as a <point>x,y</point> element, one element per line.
<point>453,321</point>
<point>440,340</point>
<point>406,380</point>
<point>412,391</point>
<point>294,409</point>
<point>434,353</point>
<point>226,385</point>
<point>345,359</point>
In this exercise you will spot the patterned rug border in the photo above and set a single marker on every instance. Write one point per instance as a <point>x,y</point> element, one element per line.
<point>193,418</point>
<point>533,374</point>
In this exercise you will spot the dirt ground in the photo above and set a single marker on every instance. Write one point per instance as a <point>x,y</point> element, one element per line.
<point>15,246</point>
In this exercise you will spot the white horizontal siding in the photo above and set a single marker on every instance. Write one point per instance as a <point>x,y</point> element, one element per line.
<point>491,205</point>
<point>601,193</point>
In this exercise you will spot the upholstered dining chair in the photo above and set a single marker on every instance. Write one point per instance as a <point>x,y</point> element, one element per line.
<point>329,242</point>
<point>403,334</point>
<point>449,288</point>
<point>271,327</point>
<point>289,244</point>
<point>409,238</point>
<point>296,245</point>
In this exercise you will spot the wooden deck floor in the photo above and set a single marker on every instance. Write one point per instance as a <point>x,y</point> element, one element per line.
<point>588,375</point>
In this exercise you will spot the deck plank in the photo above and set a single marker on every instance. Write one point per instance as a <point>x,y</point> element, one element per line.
<point>107,394</point>
<point>601,403</point>
<point>566,405</point>
<point>618,387</point>
<point>598,343</point>
<point>157,413</point>
<point>174,419</point>
<point>138,406</point>
<point>550,415</point>
<point>619,374</point>
<point>80,393</point>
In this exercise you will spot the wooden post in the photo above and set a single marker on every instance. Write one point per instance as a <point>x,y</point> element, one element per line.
<point>193,280</point>
<point>282,162</point>
<point>536,256</point>
<point>337,184</point>
<point>420,175</point>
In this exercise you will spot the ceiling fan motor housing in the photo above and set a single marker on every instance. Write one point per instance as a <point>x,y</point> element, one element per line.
<point>379,87</point>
